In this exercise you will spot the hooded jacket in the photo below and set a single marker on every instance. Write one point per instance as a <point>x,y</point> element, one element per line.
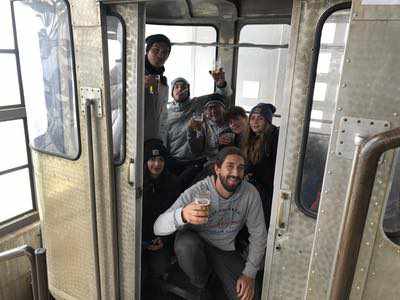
<point>177,134</point>
<point>155,105</point>
<point>226,218</point>
<point>158,194</point>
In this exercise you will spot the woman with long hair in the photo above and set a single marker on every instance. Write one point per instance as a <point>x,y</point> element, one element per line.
<point>260,152</point>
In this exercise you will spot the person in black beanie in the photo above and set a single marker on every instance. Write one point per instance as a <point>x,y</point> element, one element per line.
<point>158,48</point>
<point>160,190</point>
<point>260,151</point>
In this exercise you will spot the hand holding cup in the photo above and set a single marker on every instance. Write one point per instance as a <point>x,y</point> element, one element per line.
<point>197,211</point>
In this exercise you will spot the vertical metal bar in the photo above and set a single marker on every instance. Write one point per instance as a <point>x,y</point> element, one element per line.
<point>92,190</point>
<point>41,269</point>
<point>141,23</point>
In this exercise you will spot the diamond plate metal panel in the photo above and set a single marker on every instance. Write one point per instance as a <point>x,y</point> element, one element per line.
<point>126,193</point>
<point>287,268</point>
<point>62,185</point>
<point>349,127</point>
<point>366,91</point>
<point>85,13</point>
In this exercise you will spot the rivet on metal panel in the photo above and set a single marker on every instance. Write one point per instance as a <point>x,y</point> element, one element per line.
<point>372,224</point>
<point>315,254</point>
<point>319,229</point>
<point>348,60</point>
<point>358,287</point>
<point>376,203</point>
<point>340,109</point>
<point>395,114</point>
<point>312,271</point>
<point>398,251</point>
<point>322,211</point>
<point>367,243</point>
<point>330,172</point>
<point>344,85</point>
<point>373,273</point>
<point>362,269</point>
<point>380,245</point>
<point>355,15</point>
<point>326,191</point>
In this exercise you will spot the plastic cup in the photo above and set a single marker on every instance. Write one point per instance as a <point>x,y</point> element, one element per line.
<point>203,199</point>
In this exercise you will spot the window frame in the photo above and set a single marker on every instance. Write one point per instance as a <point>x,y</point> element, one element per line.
<point>310,94</point>
<point>12,113</point>
<point>111,13</point>
<point>217,31</point>
<point>240,25</point>
<point>75,84</point>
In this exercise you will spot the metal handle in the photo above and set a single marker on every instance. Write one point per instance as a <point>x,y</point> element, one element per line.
<point>92,190</point>
<point>359,198</point>
<point>37,260</point>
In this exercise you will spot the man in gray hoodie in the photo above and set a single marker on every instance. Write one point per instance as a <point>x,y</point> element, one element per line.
<point>205,240</point>
<point>179,115</point>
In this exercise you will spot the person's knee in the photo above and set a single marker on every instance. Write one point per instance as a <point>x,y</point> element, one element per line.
<point>187,241</point>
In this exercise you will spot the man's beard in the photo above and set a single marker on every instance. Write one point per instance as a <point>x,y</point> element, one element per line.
<point>224,182</point>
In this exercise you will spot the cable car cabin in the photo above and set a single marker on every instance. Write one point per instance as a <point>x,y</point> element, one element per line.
<point>74,117</point>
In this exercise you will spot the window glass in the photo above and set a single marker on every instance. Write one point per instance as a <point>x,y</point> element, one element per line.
<point>12,152</point>
<point>115,62</point>
<point>391,220</point>
<point>333,40</point>
<point>6,32</point>
<point>15,194</point>
<point>190,62</point>
<point>260,71</point>
<point>44,42</point>
<point>9,79</point>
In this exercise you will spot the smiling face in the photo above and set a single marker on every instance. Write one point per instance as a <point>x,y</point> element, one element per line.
<point>215,112</point>
<point>238,124</point>
<point>230,174</point>
<point>156,166</point>
<point>257,123</point>
<point>158,54</point>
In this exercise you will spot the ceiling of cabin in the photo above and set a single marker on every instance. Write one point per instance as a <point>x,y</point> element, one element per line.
<point>225,9</point>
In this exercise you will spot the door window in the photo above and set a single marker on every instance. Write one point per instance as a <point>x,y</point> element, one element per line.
<point>329,68</point>
<point>44,40</point>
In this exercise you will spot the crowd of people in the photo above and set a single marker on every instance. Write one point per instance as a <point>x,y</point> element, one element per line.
<point>208,182</point>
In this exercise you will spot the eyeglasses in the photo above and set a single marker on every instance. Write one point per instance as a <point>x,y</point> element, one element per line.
<point>159,51</point>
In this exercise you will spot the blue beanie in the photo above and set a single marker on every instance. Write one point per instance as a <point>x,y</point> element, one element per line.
<point>266,110</point>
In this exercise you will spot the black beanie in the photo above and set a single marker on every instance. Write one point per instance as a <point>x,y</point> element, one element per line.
<point>264,109</point>
<point>153,148</point>
<point>157,38</point>
<point>214,99</point>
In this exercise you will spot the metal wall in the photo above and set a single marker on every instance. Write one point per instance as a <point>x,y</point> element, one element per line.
<point>128,194</point>
<point>63,185</point>
<point>15,279</point>
<point>369,89</point>
<point>289,248</point>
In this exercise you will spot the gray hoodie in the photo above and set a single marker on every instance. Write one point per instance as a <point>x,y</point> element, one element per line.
<point>226,218</point>
<point>177,135</point>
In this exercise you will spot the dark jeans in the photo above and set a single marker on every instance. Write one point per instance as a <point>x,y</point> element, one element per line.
<point>197,259</point>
